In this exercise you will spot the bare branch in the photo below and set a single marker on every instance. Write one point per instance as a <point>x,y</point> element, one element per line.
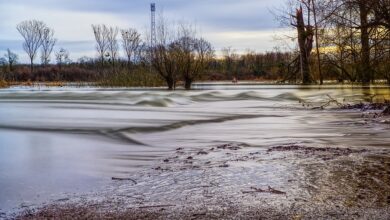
<point>32,31</point>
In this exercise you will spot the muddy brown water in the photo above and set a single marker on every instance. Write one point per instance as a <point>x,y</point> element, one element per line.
<point>56,142</point>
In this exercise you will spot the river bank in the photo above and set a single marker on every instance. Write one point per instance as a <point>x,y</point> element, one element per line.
<point>234,181</point>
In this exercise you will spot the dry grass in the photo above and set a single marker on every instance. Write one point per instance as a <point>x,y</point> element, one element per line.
<point>4,84</point>
<point>55,84</point>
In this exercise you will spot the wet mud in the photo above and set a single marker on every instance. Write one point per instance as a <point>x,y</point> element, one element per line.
<point>235,181</point>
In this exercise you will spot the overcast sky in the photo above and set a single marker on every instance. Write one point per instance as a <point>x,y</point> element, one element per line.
<point>240,24</point>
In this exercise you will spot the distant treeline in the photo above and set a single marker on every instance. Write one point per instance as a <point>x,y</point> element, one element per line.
<point>176,56</point>
<point>249,66</point>
<point>343,40</point>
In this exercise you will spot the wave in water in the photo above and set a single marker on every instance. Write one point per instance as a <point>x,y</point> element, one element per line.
<point>154,99</point>
<point>122,134</point>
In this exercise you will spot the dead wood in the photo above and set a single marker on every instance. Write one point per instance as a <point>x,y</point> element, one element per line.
<point>259,190</point>
<point>124,179</point>
<point>155,206</point>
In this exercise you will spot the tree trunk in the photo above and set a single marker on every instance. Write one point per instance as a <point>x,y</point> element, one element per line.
<point>305,47</point>
<point>187,83</point>
<point>365,70</point>
<point>102,60</point>
<point>31,65</point>
<point>170,83</point>
<point>129,64</point>
<point>317,44</point>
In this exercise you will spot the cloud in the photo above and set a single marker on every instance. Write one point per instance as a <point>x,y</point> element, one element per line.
<point>77,49</point>
<point>241,24</point>
<point>241,42</point>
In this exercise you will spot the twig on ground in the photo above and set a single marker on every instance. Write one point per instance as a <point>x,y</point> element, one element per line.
<point>197,215</point>
<point>269,190</point>
<point>275,191</point>
<point>254,190</point>
<point>155,206</point>
<point>124,179</point>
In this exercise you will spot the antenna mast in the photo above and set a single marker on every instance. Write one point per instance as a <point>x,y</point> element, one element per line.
<point>153,38</point>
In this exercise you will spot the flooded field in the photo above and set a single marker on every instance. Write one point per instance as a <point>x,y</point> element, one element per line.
<point>56,142</point>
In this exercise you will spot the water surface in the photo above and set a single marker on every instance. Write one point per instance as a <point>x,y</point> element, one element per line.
<point>57,141</point>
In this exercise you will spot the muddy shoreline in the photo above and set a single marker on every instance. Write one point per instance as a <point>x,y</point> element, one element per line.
<point>234,181</point>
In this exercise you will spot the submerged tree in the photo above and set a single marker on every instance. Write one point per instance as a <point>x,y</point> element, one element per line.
<point>365,71</point>
<point>192,54</point>
<point>32,31</point>
<point>356,16</point>
<point>305,43</point>
<point>317,39</point>
<point>162,56</point>
<point>354,38</point>
<point>164,63</point>
<point>299,15</point>
<point>180,54</point>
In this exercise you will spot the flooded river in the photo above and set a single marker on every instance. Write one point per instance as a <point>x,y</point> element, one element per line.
<point>56,141</point>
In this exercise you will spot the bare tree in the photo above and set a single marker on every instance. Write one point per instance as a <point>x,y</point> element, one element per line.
<point>305,43</point>
<point>48,42</point>
<point>12,59</point>
<point>314,6</point>
<point>358,17</point>
<point>112,44</point>
<point>299,15</point>
<point>162,56</point>
<point>163,61</point>
<point>230,57</point>
<point>365,71</point>
<point>302,14</point>
<point>179,53</point>
<point>32,32</point>
<point>342,57</point>
<point>382,13</point>
<point>62,57</point>
<point>131,42</point>
<point>101,36</point>
<point>192,54</point>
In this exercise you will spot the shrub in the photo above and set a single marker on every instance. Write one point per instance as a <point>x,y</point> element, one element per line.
<point>138,77</point>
